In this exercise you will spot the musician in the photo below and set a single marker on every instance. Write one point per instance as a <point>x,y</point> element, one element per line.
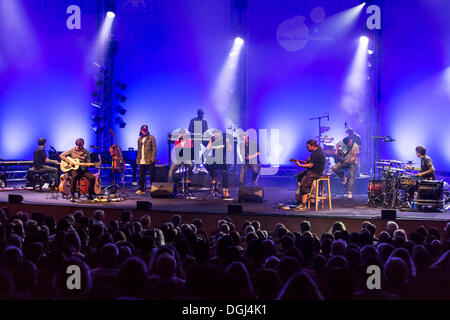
<point>350,161</point>
<point>356,138</point>
<point>79,152</point>
<point>199,118</point>
<point>250,154</point>
<point>146,157</point>
<point>40,159</point>
<point>426,170</point>
<point>314,166</point>
<point>217,162</point>
<point>183,152</point>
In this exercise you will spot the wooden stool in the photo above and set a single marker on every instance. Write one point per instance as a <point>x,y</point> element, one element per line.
<point>317,190</point>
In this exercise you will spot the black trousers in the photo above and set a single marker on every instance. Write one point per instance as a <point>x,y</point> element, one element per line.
<point>76,176</point>
<point>53,172</point>
<point>306,179</point>
<point>212,170</point>
<point>143,169</point>
<point>244,169</point>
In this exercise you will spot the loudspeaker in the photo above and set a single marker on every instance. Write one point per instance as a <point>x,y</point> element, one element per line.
<point>143,205</point>
<point>251,194</point>
<point>234,209</point>
<point>388,214</point>
<point>15,198</point>
<point>162,190</point>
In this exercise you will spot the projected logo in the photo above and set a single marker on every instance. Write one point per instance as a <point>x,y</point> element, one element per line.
<point>293,34</point>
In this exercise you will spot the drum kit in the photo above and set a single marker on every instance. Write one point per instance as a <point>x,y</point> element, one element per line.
<point>399,188</point>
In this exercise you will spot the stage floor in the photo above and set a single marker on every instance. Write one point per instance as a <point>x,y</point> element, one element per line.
<point>273,196</point>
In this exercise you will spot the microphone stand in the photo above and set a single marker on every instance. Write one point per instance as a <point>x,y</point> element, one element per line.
<point>377,149</point>
<point>320,125</point>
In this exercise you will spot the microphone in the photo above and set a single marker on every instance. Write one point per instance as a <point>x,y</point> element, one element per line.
<point>94,147</point>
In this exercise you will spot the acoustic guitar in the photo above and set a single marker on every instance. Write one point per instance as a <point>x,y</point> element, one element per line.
<point>65,167</point>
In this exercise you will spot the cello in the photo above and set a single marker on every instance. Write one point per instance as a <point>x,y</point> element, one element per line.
<point>117,161</point>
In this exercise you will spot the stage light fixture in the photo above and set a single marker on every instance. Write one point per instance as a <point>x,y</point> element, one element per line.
<point>120,122</point>
<point>121,97</point>
<point>121,85</point>
<point>364,40</point>
<point>121,110</point>
<point>111,14</point>
<point>96,104</point>
<point>97,129</point>
<point>370,51</point>
<point>239,41</point>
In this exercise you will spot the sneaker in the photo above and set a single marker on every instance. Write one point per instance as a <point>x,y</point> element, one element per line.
<point>140,192</point>
<point>285,208</point>
<point>301,207</point>
<point>350,195</point>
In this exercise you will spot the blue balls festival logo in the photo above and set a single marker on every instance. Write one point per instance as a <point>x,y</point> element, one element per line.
<point>293,34</point>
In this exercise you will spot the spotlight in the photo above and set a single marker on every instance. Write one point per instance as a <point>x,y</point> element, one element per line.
<point>110,14</point>
<point>121,110</point>
<point>121,85</point>
<point>239,41</point>
<point>96,117</point>
<point>120,122</point>
<point>364,40</point>
<point>370,51</point>
<point>121,97</point>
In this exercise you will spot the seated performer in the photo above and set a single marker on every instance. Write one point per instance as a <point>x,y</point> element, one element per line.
<point>218,159</point>
<point>183,154</point>
<point>426,170</point>
<point>314,166</point>
<point>350,161</point>
<point>146,156</point>
<point>79,152</point>
<point>39,161</point>
<point>250,154</point>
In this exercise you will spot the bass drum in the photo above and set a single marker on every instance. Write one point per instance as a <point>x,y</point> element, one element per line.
<point>376,192</point>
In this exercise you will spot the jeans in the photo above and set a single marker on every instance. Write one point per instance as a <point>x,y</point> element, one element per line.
<point>76,176</point>
<point>352,169</point>
<point>212,170</point>
<point>143,168</point>
<point>306,179</point>
<point>51,171</point>
<point>175,167</point>
<point>243,174</point>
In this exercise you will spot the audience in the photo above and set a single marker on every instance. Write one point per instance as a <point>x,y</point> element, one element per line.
<point>80,257</point>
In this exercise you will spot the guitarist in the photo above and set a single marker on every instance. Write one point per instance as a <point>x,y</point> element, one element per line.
<point>79,152</point>
<point>314,166</point>
<point>350,161</point>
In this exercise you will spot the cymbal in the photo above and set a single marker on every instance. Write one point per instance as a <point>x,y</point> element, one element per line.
<point>383,163</point>
<point>396,161</point>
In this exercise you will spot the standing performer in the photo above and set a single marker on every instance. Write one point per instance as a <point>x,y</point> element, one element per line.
<point>426,170</point>
<point>146,156</point>
<point>199,118</point>
<point>218,161</point>
<point>350,161</point>
<point>183,152</point>
<point>39,161</point>
<point>250,154</point>
<point>356,138</point>
<point>314,166</point>
<point>79,152</point>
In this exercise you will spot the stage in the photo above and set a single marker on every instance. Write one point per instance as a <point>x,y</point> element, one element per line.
<point>351,211</point>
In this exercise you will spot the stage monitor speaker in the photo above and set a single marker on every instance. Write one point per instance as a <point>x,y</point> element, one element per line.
<point>143,205</point>
<point>251,194</point>
<point>234,209</point>
<point>15,198</point>
<point>162,190</point>
<point>388,214</point>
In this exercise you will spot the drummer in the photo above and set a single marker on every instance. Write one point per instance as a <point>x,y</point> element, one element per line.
<point>426,170</point>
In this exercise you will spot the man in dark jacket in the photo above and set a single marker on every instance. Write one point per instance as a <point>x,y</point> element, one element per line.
<point>145,157</point>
